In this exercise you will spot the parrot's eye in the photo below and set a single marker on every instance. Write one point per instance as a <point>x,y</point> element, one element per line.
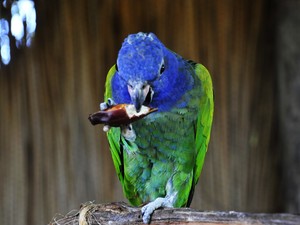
<point>116,66</point>
<point>162,68</point>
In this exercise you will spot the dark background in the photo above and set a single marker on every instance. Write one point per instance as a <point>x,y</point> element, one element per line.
<point>52,159</point>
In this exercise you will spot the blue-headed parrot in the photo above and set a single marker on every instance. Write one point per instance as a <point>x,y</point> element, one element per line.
<point>159,158</point>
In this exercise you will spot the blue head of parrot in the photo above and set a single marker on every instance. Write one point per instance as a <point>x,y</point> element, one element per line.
<point>149,74</point>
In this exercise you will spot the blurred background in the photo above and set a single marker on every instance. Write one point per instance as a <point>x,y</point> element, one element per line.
<point>52,159</point>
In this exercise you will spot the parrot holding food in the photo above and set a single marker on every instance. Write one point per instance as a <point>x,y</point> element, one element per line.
<point>159,158</point>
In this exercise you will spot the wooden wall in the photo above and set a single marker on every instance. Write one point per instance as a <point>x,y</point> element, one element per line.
<point>288,67</point>
<point>52,159</point>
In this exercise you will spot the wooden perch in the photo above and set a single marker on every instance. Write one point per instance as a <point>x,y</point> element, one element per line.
<point>121,213</point>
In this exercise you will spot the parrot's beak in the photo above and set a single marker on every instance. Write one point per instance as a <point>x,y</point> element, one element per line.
<point>138,92</point>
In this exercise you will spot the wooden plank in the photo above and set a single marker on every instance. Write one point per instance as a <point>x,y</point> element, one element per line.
<point>121,213</point>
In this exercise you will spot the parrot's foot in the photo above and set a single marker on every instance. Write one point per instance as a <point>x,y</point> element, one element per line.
<point>128,132</point>
<point>148,209</point>
<point>106,105</point>
<point>106,128</point>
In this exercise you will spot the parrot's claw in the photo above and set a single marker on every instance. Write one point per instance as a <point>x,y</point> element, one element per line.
<point>106,128</point>
<point>103,106</point>
<point>149,209</point>
<point>128,132</point>
<point>106,105</point>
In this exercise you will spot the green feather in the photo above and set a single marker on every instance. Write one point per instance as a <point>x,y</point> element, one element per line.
<point>205,117</point>
<point>108,91</point>
<point>114,134</point>
<point>118,144</point>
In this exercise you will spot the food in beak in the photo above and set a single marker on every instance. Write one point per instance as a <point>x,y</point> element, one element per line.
<point>121,114</point>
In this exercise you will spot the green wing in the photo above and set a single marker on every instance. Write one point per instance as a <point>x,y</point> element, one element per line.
<point>205,117</point>
<point>114,134</point>
<point>204,122</point>
<point>118,144</point>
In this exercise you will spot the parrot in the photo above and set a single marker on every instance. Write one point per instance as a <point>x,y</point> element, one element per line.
<point>158,159</point>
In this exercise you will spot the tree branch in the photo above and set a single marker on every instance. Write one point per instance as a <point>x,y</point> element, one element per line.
<point>121,213</point>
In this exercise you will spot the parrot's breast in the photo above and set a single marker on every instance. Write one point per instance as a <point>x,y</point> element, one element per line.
<point>166,144</point>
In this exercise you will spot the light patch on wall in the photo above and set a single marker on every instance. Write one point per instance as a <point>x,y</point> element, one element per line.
<point>22,22</point>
